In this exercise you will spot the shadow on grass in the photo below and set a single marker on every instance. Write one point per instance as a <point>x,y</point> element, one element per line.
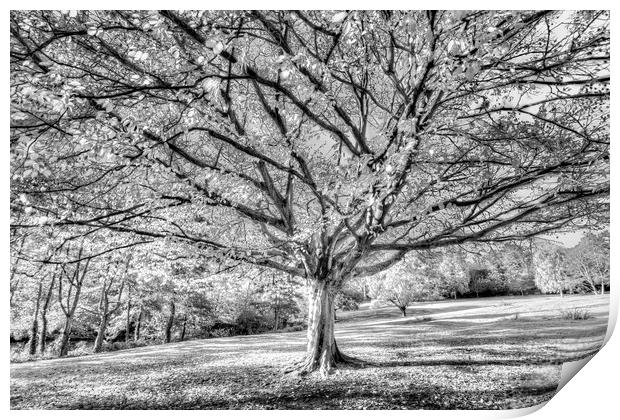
<point>353,394</point>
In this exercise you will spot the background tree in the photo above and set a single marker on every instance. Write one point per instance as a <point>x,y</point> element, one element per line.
<point>324,145</point>
<point>112,285</point>
<point>452,273</point>
<point>412,280</point>
<point>72,279</point>
<point>589,260</point>
<point>551,271</point>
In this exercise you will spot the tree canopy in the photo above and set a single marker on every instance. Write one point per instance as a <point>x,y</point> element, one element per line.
<point>322,144</point>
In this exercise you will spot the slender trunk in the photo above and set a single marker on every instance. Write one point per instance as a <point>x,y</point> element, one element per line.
<point>32,343</point>
<point>168,332</point>
<point>64,338</point>
<point>103,317</point>
<point>136,333</point>
<point>403,309</point>
<point>128,320</point>
<point>75,280</point>
<point>184,326</point>
<point>322,353</point>
<point>48,299</point>
<point>103,325</point>
<point>276,319</point>
<point>13,286</point>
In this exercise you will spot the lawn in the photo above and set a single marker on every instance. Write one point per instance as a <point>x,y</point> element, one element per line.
<point>503,352</point>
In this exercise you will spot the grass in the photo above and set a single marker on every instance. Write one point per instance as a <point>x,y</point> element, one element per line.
<point>463,354</point>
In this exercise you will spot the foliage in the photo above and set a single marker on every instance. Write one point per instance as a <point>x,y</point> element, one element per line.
<point>255,143</point>
<point>589,261</point>
<point>323,145</point>
<point>405,283</point>
<point>551,273</point>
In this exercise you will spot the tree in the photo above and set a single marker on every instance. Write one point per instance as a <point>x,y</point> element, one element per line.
<point>589,260</point>
<point>409,281</point>
<point>326,145</point>
<point>278,294</point>
<point>512,267</point>
<point>44,309</point>
<point>72,277</point>
<point>113,276</point>
<point>551,273</point>
<point>452,274</point>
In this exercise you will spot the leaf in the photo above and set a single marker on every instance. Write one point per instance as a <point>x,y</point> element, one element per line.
<point>339,17</point>
<point>218,48</point>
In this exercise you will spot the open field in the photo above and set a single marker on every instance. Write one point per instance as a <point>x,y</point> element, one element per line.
<point>503,352</point>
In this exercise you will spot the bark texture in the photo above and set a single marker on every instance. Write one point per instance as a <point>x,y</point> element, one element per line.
<point>170,323</point>
<point>64,337</point>
<point>34,328</point>
<point>322,353</point>
<point>46,304</point>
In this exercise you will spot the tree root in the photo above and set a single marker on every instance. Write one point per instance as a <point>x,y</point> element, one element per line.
<point>325,367</point>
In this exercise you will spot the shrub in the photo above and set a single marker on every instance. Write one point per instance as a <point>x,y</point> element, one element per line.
<point>292,328</point>
<point>220,332</point>
<point>81,348</point>
<point>574,314</point>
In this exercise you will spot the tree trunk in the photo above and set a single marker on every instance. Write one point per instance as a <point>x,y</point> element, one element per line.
<point>128,318</point>
<point>64,338</point>
<point>46,304</point>
<point>103,325</point>
<point>136,333</point>
<point>43,335</point>
<point>403,309</point>
<point>168,332</point>
<point>322,353</point>
<point>276,319</point>
<point>184,326</point>
<point>32,343</point>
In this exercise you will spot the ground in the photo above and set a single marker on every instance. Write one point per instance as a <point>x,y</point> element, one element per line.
<point>503,352</point>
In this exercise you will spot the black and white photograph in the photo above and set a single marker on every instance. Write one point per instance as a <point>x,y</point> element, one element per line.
<point>306,209</point>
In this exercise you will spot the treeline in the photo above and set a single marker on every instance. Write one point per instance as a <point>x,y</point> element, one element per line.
<point>75,300</point>
<point>512,268</point>
<point>122,299</point>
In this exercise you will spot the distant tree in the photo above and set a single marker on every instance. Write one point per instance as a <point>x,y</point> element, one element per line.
<point>551,273</point>
<point>70,284</point>
<point>279,294</point>
<point>516,259</point>
<point>479,279</point>
<point>411,280</point>
<point>44,310</point>
<point>452,274</point>
<point>589,261</point>
<point>112,286</point>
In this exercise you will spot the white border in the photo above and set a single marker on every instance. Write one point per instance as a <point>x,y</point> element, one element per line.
<point>591,394</point>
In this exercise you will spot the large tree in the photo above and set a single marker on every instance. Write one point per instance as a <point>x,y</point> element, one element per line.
<point>326,145</point>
